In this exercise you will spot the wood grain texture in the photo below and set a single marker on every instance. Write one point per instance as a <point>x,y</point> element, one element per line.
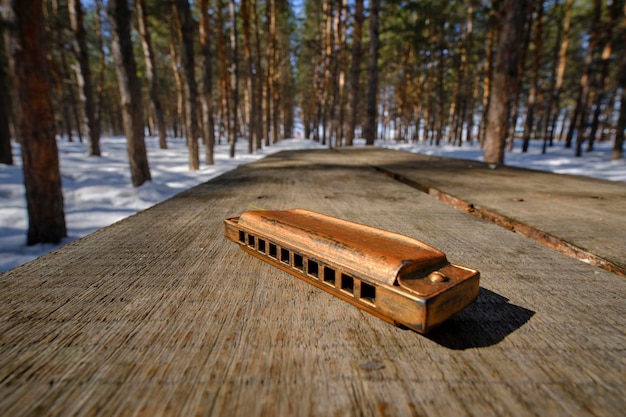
<point>160,315</point>
<point>582,217</point>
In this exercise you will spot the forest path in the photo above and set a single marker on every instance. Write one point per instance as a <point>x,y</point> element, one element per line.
<point>159,314</point>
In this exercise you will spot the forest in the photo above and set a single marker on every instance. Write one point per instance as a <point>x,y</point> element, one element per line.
<point>218,71</point>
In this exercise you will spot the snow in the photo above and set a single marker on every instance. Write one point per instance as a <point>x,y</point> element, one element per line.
<point>557,159</point>
<point>98,191</point>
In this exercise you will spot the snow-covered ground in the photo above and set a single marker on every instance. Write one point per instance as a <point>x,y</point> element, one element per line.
<point>98,191</point>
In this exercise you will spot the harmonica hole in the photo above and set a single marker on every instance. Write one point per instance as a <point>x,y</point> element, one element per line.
<point>242,236</point>
<point>312,268</point>
<point>251,241</point>
<point>347,283</point>
<point>329,275</point>
<point>298,262</point>
<point>261,245</point>
<point>284,256</point>
<point>368,292</point>
<point>273,251</point>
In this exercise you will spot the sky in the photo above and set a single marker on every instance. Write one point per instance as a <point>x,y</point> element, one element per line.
<point>98,192</point>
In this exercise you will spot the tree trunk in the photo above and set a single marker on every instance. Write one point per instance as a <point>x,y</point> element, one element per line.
<point>440,93</point>
<point>6,154</point>
<point>579,119</point>
<point>618,145</point>
<point>174,41</point>
<point>151,74</point>
<point>207,82</point>
<point>130,91</point>
<point>488,69</point>
<point>35,120</point>
<point>224,67</point>
<point>342,16</point>
<point>558,71</point>
<point>560,74</point>
<point>71,97</point>
<point>529,125</point>
<point>100,88</point>
<point>250,89</point>
<point>258,76</point>
<point>616,12</point>
<point>275,90</point>
<point>58,96</point>
<point>372,75</point>
<point>285,95</point>
<point>504,79</point>
<point>232,123</point>
<point>514,111</point>
<point>84,80</point>
<point>182,11</point>
<point>355,71</point>
<point>330,88</point>
<point>465,79</point>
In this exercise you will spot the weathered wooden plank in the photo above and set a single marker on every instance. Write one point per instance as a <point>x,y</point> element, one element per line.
<point>582,217</point>
<point>160,315</point>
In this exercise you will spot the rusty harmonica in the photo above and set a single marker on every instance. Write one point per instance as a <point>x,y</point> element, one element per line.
<point>394,277</point>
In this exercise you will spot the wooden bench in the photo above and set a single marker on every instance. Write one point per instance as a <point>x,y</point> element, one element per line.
<point>159,314</point>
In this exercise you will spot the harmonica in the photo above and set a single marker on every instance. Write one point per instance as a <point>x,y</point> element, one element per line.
<point>394,277</point>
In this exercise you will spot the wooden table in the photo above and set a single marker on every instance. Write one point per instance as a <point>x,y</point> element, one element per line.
<point>160,315</point>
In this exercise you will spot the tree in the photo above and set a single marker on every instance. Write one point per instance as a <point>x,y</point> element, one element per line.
<point>6,155</point>
<point>83,76</point>
<point>130,92</point>
<point>558,75</point>
<point>372,75</point>
<point>284,93</point>
<point>488,76</point>
<point>207,86</point>
<point>224,93</point>
<point>355,71</point>
<point>309,70</point>
<point>151,72</point>
<point>618,145</point>
<point>504,79</point>
<point>250,78</point>
<point>35,120</point>
<point>179,112</point>
<point>578,122</point>
<point>65,97</point>
<point>521,72</point>
<point>616,12</point>
<point>533,94</point>
<point>234,70</point>
<point>258,77</point>
<point>340,70</point>
<point>184,24</point>
<point>271,111</point>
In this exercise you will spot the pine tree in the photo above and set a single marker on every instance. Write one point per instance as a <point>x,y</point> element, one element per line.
<point>35,120</point>
<point>6,154</point>
<point>129,89</point>
<point>91,125</point>
<point>355,71</point>
<point>151,71</point>
<point>184,26</point>
<point>504,79</point>
<point>372,75</point>
<point>207,82</point>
